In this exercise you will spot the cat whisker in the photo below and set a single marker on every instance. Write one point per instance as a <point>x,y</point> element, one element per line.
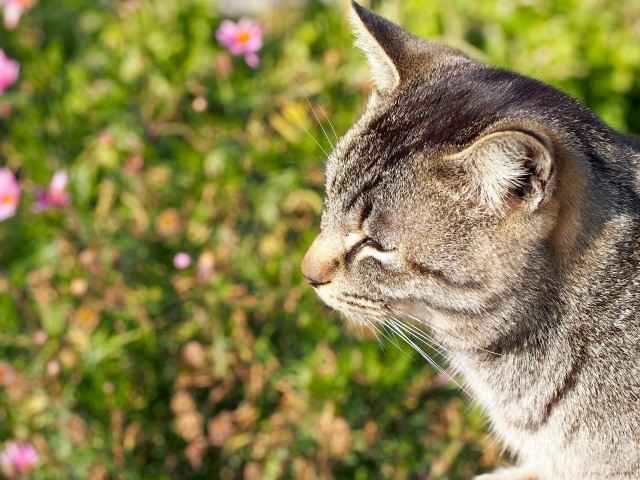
<point>314,139</point>
<point>442,370</point>
<point>375,331</point>
<point>427,338</point>
<point>378,325</point>
<point>306,130</point>
<point>439,329</point>
<point>315,115</point>
<point>364,322</point>
<point>388,334</point>
<point>335,134</point>
<point>398,328</point>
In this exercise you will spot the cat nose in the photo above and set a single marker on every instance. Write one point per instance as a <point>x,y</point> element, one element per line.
<point>321,263</point>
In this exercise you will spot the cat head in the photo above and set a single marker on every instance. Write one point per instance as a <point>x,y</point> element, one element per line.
<point>443,199</point>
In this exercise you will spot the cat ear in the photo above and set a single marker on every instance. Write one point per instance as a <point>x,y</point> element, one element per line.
<point>384,44</point>
<point>394,54</point>
<point>510,168</point>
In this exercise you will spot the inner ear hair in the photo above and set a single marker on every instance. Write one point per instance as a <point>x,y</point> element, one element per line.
<point>508,169</point>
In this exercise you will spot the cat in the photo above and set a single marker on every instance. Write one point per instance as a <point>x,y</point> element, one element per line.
<point>500,217</point>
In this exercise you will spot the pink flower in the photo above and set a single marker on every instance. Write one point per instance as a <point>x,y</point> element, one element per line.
<point>56,195</point>
<point>182,260</point>
<point>18,459</point>
<point>243,38</point>
<point>13,10</point>
<point>9,71</point>
<point>9,194</point>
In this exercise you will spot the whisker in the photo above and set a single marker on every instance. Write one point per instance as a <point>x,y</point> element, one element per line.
<point>326,116</point>
<point>373,328</point>
<point>436,328</point>
<point>427,341</point>
<point>432,342</point>
<point>314,139</point>
<point>398,327</point>
<point>313,111</point>
<point>389,336</point>
<point>421,333</point>
<point>363,321</point>
<point>420,351</point>
<point>306,130</point>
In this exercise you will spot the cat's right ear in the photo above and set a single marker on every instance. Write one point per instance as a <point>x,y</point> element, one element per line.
<point>384,43</point>
<point>509,168</point>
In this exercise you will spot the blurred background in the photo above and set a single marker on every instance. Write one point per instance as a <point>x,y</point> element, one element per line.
<point>161,175</point>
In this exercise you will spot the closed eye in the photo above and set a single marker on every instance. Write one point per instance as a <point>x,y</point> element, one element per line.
<point>362,244</point>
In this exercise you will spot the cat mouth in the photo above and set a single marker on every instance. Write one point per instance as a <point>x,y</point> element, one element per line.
<point>354,303</point>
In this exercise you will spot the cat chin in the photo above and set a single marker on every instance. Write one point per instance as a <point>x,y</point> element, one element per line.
<point>355,309</point>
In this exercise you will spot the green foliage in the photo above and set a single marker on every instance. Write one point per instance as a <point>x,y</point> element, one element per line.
<point>117,365</point>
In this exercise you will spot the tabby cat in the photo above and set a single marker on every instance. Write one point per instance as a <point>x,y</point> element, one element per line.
<point>500,217</point>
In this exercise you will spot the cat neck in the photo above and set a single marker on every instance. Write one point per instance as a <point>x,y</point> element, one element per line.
<point>551,339</point>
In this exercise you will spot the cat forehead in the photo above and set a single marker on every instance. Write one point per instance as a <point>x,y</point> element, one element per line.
<point>395,131</point>
<point>436,115</point>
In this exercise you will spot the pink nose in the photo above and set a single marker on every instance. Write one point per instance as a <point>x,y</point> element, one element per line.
<point>321,262</point>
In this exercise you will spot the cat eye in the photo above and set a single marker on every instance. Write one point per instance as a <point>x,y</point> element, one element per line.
<point>370,242</point>
<point>365,242</point>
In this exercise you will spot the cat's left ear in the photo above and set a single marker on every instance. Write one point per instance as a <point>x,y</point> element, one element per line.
<point>384,43</point>
<point>510,168</point>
